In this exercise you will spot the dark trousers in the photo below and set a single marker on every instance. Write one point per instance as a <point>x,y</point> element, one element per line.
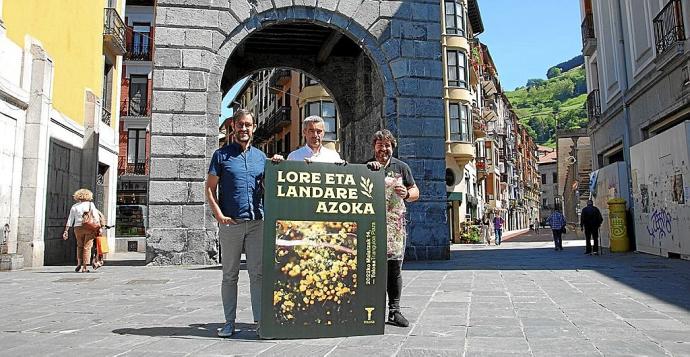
<point>557,239</point>
<point>594,234</point>
<point>394,285</point>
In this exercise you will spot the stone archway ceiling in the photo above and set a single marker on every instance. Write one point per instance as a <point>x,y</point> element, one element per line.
<point>304,38</point>
<point>299,45</point>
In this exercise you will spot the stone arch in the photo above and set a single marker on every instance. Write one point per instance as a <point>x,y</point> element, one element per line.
<point>195,39</point>
<point>371,66</point>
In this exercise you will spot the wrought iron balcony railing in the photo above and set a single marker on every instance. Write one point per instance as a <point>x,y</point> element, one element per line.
<point>593,105</point>
<point>114,31</point>
<point>105,116</point>
<point>131,168</point>
<point>589,39</point>
<point>131,108</point>
<point>139,51</point>
<point>669,28</point>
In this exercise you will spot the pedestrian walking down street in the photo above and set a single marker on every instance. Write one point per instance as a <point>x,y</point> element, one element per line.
<point>400,188</point>
<point>498,229</point>
<point>536,225</point>
<point>87,221</point>
<point>590,221</point>
<point>234,191</point>
<point>557,222</point>
<point>486,230</point>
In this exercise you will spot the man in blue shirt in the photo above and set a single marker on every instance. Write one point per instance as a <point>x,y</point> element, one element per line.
<point>557,222</point>
<point>238,170</point>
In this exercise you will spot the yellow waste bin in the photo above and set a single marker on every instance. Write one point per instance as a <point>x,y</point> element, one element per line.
<point>618,226</point>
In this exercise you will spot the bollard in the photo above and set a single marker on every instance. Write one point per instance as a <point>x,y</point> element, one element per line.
<point>618,226</point>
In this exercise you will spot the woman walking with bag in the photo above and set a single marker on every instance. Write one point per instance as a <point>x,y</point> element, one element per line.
<point>87,222</point>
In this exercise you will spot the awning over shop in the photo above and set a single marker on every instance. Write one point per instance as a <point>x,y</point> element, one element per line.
<point>454,196</point>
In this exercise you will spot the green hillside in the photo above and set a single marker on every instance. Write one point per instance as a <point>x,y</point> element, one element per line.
<point>542,103</point>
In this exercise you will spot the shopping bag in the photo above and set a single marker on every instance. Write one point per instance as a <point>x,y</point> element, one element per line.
<point>102,244</point>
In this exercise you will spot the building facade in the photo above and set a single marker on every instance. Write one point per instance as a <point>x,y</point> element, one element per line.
<point>574,165</point>
<point>281,98</point>
<point>135,127</point>
<point>548,170</point>
<point>637,59</point>
<point>491,165</point>
<point>59,91</point>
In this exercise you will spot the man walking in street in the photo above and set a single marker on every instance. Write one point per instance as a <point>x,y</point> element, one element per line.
<point>557,222</point>
<point>590,221</point>
<point>498,228</point>
<point>400,188</point>
<point>313,130</point>
<point>235,195</point>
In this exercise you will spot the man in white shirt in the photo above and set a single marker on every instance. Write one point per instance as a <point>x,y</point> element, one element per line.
<point>313,130</point>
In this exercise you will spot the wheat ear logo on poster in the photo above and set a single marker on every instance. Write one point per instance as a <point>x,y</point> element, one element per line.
<point>369,311</point>
<point>338,193</point>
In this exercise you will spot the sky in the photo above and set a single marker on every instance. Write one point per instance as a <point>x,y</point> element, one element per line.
<point>526,37</point>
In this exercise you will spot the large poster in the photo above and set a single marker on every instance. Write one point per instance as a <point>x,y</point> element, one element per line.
<point>324,251</point>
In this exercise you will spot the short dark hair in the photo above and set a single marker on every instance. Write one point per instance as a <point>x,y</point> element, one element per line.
<point>241,113</point>
<point>384,135</point>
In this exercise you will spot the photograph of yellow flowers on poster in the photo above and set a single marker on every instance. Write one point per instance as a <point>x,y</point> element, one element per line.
<point>316,272</point>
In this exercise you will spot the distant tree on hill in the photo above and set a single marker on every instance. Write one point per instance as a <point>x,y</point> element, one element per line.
<point>563,90</point>
<point>553,72</point>
<point>535,82</point>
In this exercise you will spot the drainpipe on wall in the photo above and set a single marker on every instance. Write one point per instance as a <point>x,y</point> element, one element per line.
<point>623,66</point>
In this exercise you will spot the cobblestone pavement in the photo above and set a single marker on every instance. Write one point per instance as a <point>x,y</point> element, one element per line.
<point>518,299</point>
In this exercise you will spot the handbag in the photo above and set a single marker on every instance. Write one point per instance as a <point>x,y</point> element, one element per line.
<point>563,230</point>
<point>89,221</point>
<point>102,245</point>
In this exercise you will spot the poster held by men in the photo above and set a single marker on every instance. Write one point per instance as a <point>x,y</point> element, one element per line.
<point>324,251</point>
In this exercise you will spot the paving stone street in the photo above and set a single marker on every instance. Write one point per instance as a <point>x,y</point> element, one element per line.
<point>517,299</point>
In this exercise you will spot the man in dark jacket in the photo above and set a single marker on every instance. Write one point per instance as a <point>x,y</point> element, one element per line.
<point>590,221</point>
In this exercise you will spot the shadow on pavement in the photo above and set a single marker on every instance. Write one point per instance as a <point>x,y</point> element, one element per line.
<point>663,278</point>
<point>245,331</point>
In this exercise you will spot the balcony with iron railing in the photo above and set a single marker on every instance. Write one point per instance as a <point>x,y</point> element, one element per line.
<point>126,168</point>
<point>478,128</point>
<point>593,106</point>
<point>105,116</point>
<point>139,52</point>
<point>134,108</point>
<point>489,84</point>
<point>489,111</point>
<point>669,29</point>
<point>114,32</point>
<point>589,39</point>
<point>279,78</point>
<point>278,120</point>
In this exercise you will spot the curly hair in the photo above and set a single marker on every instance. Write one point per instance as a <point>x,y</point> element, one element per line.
<point>384,135</point>
<point>83,194</point>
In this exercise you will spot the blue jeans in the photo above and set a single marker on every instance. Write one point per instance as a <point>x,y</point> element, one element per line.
<point>248,235</point>
<point>498,232</point>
